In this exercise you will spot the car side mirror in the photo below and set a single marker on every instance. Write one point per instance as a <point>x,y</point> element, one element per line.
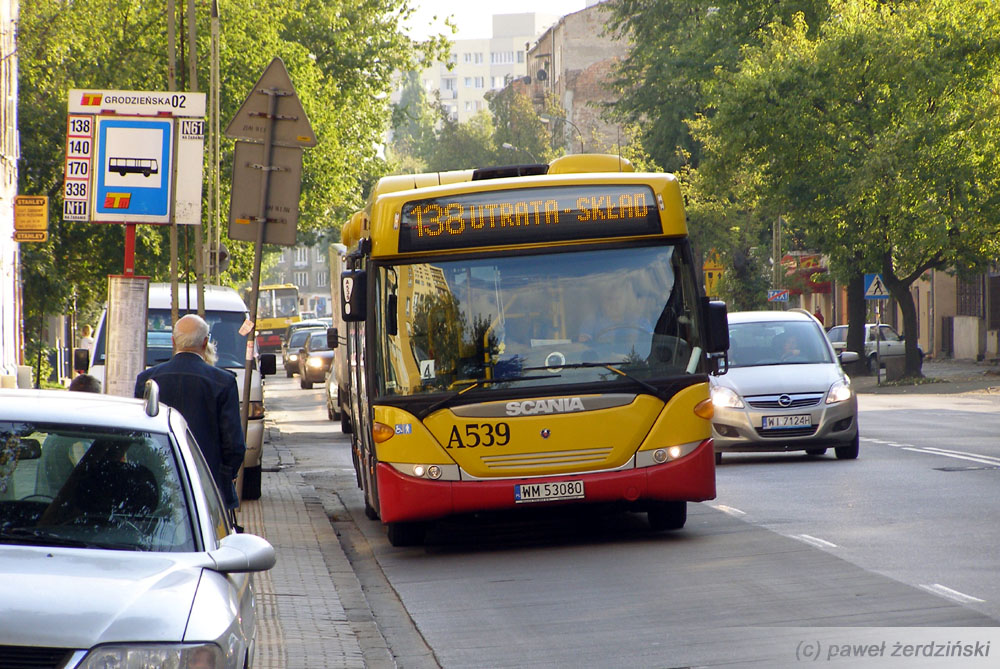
<point>847,357</point>
<point>268,364</point>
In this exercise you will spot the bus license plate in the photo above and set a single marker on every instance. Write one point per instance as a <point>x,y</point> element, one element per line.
<point>547,492</point>
<point>785,422</point>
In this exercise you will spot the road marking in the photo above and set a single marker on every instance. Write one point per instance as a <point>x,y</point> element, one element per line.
<point>953,595</point>
<point>732,511</point>
<point>814,541</point>
<point>931,450</point>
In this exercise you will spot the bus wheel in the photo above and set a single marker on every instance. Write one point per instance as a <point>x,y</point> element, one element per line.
<point>406,534</point>
<point>667,515</point>
<point>345,423</point>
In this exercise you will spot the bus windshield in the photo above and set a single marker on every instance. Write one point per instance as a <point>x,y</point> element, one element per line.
<point>595,316</point>
<point>277,302</point>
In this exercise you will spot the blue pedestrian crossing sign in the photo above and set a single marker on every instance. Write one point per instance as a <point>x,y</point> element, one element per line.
<point>875,287</point>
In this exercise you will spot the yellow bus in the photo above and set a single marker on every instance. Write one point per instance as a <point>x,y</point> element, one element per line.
<point>277,307</point>
<point>527,336</point>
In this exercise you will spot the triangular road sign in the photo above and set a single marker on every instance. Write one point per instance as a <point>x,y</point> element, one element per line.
<point>291,126</point>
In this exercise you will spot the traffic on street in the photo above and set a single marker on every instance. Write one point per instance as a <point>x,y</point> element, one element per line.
<point>892,540</point>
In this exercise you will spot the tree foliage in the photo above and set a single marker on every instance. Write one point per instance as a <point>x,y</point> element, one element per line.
<point>340,55</point>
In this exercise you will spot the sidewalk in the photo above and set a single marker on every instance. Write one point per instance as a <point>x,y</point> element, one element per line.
<point>944,376</point>
<point>301,619</point>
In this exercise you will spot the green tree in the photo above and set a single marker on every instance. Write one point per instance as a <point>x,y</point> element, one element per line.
<point>876,136</point>
<point>340,55</point>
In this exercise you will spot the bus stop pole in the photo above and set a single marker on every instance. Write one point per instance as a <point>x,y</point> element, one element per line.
<point>258,251</point>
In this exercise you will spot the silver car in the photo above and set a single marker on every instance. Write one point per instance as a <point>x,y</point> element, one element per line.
<point>889,342</point>
<point>783,389</point>
<point>115,547</point>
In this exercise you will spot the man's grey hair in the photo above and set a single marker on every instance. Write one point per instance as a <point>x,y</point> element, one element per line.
<point>192,339</point>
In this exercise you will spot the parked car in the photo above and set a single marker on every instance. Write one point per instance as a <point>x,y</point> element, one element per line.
<point>890,343</point>
<point>226,314</point>
<point>315,359</point>
<point>290,349</point>
<point>783,388</point>
<point>114,541</point>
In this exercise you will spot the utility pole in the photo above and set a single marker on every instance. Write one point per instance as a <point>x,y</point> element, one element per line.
<point>172,86</point>
<point>199,251</point>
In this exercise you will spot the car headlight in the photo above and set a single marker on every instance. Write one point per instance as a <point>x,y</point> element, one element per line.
<point>839,392</point>
<point>292,357</point>
<point>315,363</point>
<point>182,656</point>
<point>256,409</point>
<point>726,398</point>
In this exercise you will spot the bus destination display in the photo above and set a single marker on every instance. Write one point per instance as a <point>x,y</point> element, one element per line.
<point>527,215</point>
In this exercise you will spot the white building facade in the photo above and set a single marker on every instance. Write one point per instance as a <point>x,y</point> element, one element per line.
<point>482,65</point>
<point>10,298</point>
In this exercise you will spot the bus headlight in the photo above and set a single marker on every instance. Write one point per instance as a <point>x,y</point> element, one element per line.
<point>431,472</point>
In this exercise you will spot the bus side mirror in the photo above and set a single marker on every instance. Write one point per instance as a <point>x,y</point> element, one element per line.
<point>353,290</point>
<point>716,324</point>
<point>268,364</point>
<point>332,338</point>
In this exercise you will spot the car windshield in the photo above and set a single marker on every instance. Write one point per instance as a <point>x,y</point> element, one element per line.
<point>776,343</point>
<point>837,334</point>
<point>224,330</point>
<point>516,321</point>
<point>298,339</point>
<point>70,485</point>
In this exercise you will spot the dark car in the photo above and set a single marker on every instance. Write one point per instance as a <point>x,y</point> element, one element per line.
<point>315,360</point>
<point>290,349</point>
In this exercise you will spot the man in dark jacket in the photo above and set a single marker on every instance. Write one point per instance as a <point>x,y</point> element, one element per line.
<point>208,399</point>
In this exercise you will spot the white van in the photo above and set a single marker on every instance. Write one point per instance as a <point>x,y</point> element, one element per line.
<point>225,312</point>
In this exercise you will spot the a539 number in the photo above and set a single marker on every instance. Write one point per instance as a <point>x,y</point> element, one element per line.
<point>472,435</point>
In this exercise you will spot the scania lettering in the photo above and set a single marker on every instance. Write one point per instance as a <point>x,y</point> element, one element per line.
<point>540,332</point>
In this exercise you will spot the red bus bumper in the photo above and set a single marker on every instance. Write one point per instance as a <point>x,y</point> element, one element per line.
<point>406,498</point>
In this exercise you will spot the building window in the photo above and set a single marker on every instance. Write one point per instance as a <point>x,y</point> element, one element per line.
<point>497,83</point>
<point>468,82</point>
<point>479,82</point>
<point>466,57</point>
<point>479,58</point>
<point>301,255</point>
<point>449,84</point>
<point>322,279</point>
<point>520,56</point>
<point>319,254</point>
<point>970,298</point>
<point>468,105</point>
<point>300,279</point>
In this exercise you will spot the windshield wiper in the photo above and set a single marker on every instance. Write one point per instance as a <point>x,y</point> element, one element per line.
<point>653,390</point>
<point>39,537</point>
<point>444,401</point>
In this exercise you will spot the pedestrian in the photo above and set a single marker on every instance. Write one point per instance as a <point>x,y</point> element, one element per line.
<point>207,397</point>
<point>86,339</point>
<point>819,316</point>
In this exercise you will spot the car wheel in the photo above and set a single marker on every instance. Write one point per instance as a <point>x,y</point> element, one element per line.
<point>849,452</point>
<point>251,482</point>
<point>667,515</point>
<point>815,451</point>
<point>345,423</point>
<point>288,372</point>
<point>305,384</point>
<point>406,534</point>
<point>329,412</point>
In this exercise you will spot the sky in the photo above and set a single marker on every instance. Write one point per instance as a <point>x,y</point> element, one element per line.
<point>474,17</point>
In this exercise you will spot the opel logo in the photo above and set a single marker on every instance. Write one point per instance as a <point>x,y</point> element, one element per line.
<point>785,401</point>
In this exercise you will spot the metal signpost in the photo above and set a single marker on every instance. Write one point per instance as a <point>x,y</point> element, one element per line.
<point>875,290</point>
<point>267,169</point>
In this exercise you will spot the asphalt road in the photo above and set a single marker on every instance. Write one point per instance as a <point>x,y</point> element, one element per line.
<point>792,543</point>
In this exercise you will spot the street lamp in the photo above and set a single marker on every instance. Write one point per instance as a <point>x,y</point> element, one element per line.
<point>546,118</point>
<point>511,147</point>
